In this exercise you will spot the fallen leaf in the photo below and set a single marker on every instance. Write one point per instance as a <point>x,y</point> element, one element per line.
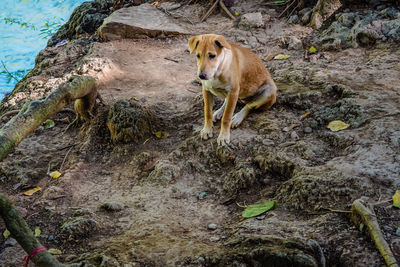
<point>48,124</point>
<point>236,13</point>
<point>54,251</point>
<point>32,191</point>
<point>257,209</point>
<point>55,174</point>
<point>337,126</point>
<point>396,199</point>
<point>162,134</point>
<point>312,50</point>
<point>37,232</point>
<point>281,57</point>
<point>6,233</point>
<point>305,115</point>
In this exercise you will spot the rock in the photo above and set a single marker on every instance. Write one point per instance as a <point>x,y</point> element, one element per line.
<point>111,206</point>
<point>391,29</point>
<point>128,122</point>
<point>294,19</point>
<point>294,136</point>
<point>305,15</point>
<point>308,129</point>
<point>164,172</point>
<point>251,20</point>
<point>294,43</point>
<point>215,238</point>
<point>80,227</point>
<point>10,242</point>
<point>212,226</point>
<point>261,217</point>
<point>346,19</point>
<point>286,129</point>
<point>50,238</point>
<point>268,142</point>
<point>143,20</point>
<point>389,13</point>
<point>398,231</point>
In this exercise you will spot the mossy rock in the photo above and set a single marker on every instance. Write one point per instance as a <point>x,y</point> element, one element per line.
<point>128,122</point>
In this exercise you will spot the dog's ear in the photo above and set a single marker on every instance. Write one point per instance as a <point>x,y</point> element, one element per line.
<point>221,42</point>
<point>194,42</point>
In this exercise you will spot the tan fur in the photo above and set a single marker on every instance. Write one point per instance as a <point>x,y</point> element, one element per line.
<point>234,73</point>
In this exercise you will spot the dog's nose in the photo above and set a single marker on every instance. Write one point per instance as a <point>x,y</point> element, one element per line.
<point>203,76</point>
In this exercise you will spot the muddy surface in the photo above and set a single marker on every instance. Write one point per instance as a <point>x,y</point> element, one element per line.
<point>167,198</point>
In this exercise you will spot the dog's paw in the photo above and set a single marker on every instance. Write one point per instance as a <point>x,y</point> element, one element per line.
<point>237,119</point>
<point>206,132</point>
<point>223,139</point>
<point>217,115</point>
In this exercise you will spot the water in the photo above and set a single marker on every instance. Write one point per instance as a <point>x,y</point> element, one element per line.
<point>24,32</point>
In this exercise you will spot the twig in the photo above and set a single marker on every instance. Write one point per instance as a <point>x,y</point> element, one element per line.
<point>194,92</point>
<point>337,211</point>
<point>9,73</point>
<point>208,13</point>
<point>226,10</point>
<point>287,8</point>
<point>362,215</point>
<point>171,59</point>
<point>66,155</point>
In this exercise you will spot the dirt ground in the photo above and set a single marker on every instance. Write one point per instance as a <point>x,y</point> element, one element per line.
<point>151,203</point>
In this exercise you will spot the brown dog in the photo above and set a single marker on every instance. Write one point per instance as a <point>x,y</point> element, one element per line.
<point>232,72</point>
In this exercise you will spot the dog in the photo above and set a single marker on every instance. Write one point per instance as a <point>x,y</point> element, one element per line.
<point>234,73</point>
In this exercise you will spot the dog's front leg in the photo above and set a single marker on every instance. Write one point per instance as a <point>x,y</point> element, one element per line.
<point>231,100</point>
<point>207,130</point>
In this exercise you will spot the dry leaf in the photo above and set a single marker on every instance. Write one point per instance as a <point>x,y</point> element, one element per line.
<point>396,199</point>
<point>54,251</point>
<point>337,126</point>
<point>37,232</point>
<point>55,174</point>
<point>281,57</point>
<point>305,115</point>
<point>32,191</point>
<point>6,233</point>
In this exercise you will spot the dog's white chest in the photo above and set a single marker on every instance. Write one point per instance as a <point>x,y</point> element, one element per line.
<point>216,87</point>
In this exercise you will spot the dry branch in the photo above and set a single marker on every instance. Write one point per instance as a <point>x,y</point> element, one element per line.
<point>362,215</point>
<point>33,114</point>
<point>21,232</point>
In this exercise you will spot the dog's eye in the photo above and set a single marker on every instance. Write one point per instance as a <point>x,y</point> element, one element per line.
<point>198,56</point>
<point>211,56</point>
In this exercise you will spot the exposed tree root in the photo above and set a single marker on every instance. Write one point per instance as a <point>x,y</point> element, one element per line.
<point>33,114</point>
<point>214,6</point>
<point>363,216</point>
<point>21,232</point>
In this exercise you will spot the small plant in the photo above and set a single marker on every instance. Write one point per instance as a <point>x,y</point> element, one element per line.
<point>11,20</point>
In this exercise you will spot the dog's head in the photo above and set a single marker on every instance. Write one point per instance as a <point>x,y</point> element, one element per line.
<point>209,50</point>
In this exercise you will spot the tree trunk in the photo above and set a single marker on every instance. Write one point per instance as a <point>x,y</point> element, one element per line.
<point>21,232</point>
<point>33,114</point>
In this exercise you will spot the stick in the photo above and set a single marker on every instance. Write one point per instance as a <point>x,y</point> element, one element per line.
<point>66,155</point>
<point>208,13</point>
<point>226,10</point>
<point>360,214</point>
<point>11,112</point>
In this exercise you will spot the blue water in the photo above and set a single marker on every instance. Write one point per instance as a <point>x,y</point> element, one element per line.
<point>24,32</point>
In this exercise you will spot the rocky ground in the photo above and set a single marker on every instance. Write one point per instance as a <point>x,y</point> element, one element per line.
<point>157,195</point>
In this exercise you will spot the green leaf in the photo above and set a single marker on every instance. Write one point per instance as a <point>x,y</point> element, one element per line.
<point>396,199</point>
<point>6,233</point>
<point>49,124</point>
<point>312,50</point>
<point>257,209</point>
<point>37,232</point>
<point>281,57</point>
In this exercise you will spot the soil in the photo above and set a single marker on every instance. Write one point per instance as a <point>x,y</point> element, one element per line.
<point>150,202</point>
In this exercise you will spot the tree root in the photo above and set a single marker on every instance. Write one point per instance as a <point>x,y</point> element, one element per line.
<point>21,232</point>
<point>33,114</point>
<point>214,6</point>
<point>362,216</point>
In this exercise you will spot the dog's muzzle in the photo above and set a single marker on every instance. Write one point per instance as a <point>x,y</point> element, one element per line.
<point>203,76</point>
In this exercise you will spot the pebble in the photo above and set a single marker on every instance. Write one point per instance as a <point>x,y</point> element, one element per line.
<point>286,129</point>
<point>202,195</point>
<point>268,142</point>
<point>212,226</point>
<point>10,242</point>
<point>308,130</point>
<point>398,231</point>
<point>215,238</point>
<point>294,136</point>
<point>50,238</point>
<point>261,217</point>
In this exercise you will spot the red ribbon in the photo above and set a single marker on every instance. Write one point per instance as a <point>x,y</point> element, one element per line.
<point>34,252</point>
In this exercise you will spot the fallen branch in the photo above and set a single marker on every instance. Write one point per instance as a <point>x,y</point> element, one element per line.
<point>24,236</point>
<point>33,114</point>
<point>9,113</point>
<point>214,6</point>
<point>362,215</point>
